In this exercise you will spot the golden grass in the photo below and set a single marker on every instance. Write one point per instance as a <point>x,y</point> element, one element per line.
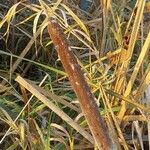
<point>118,79</point>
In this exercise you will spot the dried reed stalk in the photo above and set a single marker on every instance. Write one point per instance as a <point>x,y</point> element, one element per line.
<point>80,86</point>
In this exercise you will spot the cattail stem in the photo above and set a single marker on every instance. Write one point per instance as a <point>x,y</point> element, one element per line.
<point>80,86</point>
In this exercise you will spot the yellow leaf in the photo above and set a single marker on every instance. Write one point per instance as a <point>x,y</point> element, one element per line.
<point>147,6</point>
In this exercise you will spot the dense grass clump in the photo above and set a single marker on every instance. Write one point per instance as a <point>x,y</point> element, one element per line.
<point>39,109</point>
